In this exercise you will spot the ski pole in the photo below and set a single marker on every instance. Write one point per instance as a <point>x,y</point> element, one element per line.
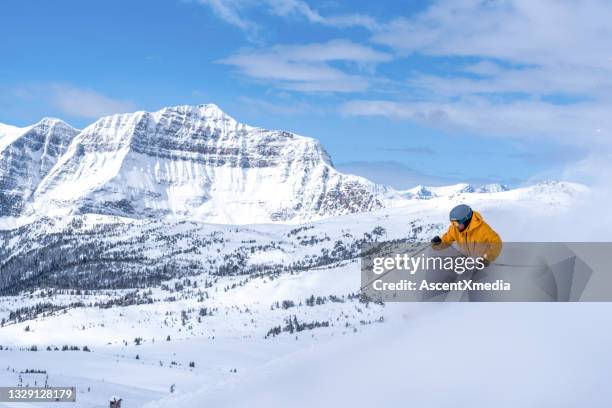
<point>513,265</point>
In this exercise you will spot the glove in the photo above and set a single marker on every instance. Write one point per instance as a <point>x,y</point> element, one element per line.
<point>436,240</point>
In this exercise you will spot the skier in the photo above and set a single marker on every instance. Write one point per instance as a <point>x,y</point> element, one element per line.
<point>474,237</point>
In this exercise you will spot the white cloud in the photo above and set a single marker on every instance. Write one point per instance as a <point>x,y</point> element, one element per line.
<point>542,32</point>
<point>352,20</point>
<point>336,50</point>
<point>229,11</point>
<point>286,8</point>
<point>541,68</point>
<point>535,68</point>
<point>289,107</point>
<point>578,83</point>
<point>528,119</point>
<point>300,8</point>
<point>65,98</point>
<point>306,67</point>
<point>86,103</point>
<point>559,46</point>
<point>236,12</point>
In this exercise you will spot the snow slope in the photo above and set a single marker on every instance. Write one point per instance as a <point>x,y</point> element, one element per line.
<point>459,355</point>
<point>104,281</point>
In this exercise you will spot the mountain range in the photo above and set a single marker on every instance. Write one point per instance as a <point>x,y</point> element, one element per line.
<point>186,162</point>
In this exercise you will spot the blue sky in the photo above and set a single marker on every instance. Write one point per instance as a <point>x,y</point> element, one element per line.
<point>403,92</point>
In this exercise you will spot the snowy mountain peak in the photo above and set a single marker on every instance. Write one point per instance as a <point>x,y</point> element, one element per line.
<point>426,192</point>
<point>558,187</point>
<point>27,155</point>
<point>419,191</point>
<point>492,188</point>
<point>50,122</point>
<point>209,112</point>
<point>8,134</point>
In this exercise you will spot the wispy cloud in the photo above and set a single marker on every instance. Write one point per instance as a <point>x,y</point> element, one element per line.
<point>514,68</point>
<point>307,67</point>
<point>230,12</point>
<point>236,13</point>
<point>71,100</point>
<point>86,103</point>
<point>534,68</point>
<point>299,8</point>
<point>542,32</point>
<point>556,155</point>
<point>529,119</point>
<point>278,108</point>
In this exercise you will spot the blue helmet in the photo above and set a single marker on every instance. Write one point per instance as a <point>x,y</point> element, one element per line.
<point>461,213</point>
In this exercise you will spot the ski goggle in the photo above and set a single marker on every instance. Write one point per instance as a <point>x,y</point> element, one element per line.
<point>458,222</point>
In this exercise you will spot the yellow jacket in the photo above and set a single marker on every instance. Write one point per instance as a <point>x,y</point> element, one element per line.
<point>477,240</point>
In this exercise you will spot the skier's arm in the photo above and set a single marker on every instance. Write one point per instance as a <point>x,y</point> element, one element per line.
<point>494,247</point>
<point>446,240</point>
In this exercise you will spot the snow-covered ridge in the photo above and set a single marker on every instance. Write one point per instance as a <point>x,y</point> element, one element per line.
<point>27,155</point>
<point>426,192</point>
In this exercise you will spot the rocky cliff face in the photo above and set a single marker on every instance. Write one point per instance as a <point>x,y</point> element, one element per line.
<point>27,156</point>
<point>185,161</point>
